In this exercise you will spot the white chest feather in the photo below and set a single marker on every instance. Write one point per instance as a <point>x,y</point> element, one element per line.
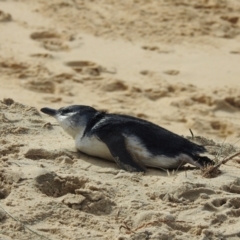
<point>93,147</point>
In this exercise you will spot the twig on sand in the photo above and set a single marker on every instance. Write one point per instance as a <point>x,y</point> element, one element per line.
<point>10,215</point>
<point>191,133</point>
<point>147,224</point>
<point>126,227</point>
<point>229,158</point>
<point>213,171</point>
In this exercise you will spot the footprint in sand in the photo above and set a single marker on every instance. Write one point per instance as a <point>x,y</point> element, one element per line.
<point>233,101</point>
<point>89,68</point>
<point>54,186</point>
<point>188,193</point>
<point>11,67</point>
<point>159,90</point>
<point>227,207</point>
<point>233,187</point>
<point>7,179</point>
<point>39,153</point>
<point>172,72</point>
<point>4,190</point>
<point>155,49</point>
<point>5,17</point>
<point>194,194</point>
<point>75,193</point>
<point>51,40</point>
<point>7,149</point>
<point>44,86</point>
<point>85,67</point>
<point>113,85</point>
<point>221,128</point>
<point>18,119</point>
<point>42,55</point>
<point>55,45</point>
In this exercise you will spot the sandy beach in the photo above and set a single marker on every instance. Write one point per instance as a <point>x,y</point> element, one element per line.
<point>174,63</point>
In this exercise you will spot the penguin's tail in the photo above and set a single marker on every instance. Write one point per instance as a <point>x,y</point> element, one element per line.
<point>203,161</point>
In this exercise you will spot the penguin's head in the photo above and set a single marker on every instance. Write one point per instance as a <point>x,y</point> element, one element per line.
<point>73,119</point>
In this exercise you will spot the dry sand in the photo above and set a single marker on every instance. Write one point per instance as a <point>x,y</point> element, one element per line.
<point>175,63</point>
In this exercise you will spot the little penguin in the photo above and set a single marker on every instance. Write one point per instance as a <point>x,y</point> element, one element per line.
<point>131,142</point>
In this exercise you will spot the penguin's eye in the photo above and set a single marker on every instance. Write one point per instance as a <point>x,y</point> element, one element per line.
<point>65,111</point>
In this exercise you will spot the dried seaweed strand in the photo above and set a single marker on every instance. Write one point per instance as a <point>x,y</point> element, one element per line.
<point>146,224</point>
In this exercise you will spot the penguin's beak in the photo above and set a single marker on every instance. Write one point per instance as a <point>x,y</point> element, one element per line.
<point>49,111</point>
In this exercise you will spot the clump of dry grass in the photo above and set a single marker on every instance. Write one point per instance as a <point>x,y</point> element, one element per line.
<point>224,151</point>
<point>213,171</point>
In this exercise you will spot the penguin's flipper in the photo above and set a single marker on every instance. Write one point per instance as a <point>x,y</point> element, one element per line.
<point>121,155</point>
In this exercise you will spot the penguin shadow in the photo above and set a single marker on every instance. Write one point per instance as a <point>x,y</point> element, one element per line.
<point>111,165</point>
